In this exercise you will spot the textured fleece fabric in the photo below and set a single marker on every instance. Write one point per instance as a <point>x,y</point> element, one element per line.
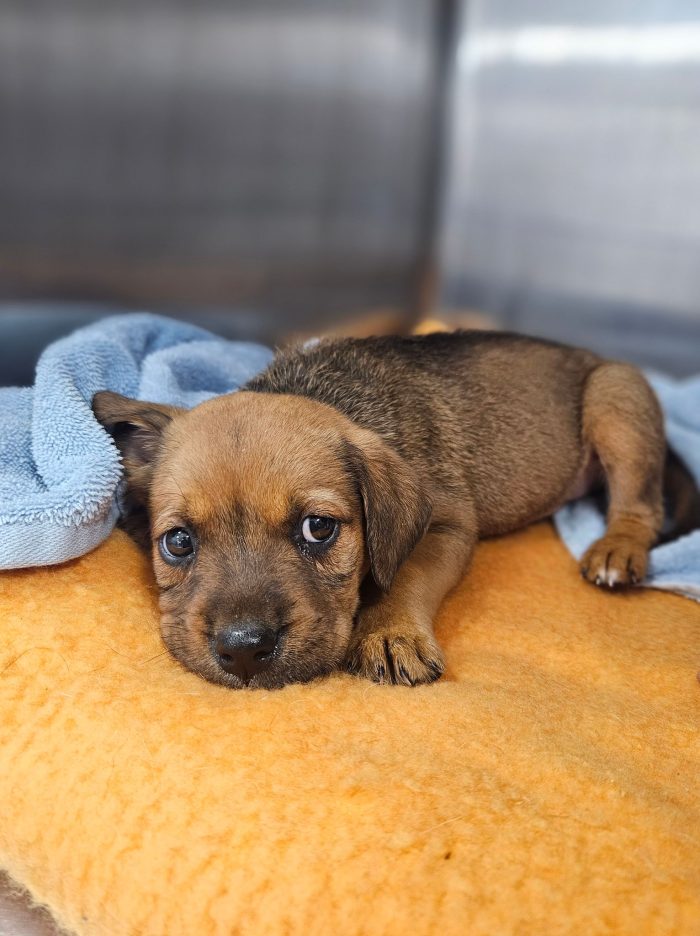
<point>547,785</point>
<point>59,469</point>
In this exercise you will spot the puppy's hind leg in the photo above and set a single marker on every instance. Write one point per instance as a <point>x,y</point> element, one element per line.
<point>622,421</point>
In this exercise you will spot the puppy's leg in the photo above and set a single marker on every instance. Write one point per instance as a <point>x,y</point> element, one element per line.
<point>623,423</point>
<point>393,641</point>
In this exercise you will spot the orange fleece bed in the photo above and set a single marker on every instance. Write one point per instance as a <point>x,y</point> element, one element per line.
<point>549,784</point>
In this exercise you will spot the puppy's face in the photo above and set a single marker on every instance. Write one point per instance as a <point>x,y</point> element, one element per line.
<point>263,513</point>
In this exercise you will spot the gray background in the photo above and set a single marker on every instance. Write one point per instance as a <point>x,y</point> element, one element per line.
<point>265,167</point>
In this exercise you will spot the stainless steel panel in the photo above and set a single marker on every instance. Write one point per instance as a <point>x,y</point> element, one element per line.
<point>573,192</point>
<point>274,155</point>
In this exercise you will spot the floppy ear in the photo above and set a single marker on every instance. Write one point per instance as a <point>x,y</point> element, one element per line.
<point>137,429</point>
<point>135,426</point>
<point>396,509</point>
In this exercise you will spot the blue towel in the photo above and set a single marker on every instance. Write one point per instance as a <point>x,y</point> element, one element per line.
<point>674,566</point>
<point>59,469</point>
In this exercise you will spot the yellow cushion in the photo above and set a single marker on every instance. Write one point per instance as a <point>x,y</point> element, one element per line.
<point>548,785</point>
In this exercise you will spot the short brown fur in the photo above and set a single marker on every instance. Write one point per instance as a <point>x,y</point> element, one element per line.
<point>417,447</point>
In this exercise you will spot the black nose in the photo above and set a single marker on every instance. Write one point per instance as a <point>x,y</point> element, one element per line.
<point>244,649</point>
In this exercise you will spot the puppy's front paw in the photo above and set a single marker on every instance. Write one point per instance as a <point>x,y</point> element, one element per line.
<point>405,657</point>
<point>615,561</point>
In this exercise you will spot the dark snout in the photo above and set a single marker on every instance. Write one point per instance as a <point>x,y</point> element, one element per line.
<point>246,648</point>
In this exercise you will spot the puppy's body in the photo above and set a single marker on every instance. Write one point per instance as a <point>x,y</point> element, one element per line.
<point>486,419</point>
<point>398,453</point>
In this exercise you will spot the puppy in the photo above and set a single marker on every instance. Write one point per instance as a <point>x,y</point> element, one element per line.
<point>317,518</point>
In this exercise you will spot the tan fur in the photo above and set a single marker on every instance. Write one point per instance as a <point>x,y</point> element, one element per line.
<point>623,424</point>
<point>417,447</point>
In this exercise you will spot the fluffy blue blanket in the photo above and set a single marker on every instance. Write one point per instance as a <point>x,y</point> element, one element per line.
<point>60,470</point>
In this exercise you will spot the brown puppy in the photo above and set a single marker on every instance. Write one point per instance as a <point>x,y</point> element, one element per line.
<point>318,518</point>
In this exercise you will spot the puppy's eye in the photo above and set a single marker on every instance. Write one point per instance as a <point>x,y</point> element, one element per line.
<point>317,530</point>
<point>176,545</point>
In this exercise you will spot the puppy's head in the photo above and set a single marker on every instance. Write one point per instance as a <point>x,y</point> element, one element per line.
<point>264,514</point>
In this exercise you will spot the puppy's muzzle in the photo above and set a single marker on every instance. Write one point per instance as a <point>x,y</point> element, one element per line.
<point>245,648</point>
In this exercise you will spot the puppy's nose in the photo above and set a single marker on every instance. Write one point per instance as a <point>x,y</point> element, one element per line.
<point>244,649</point>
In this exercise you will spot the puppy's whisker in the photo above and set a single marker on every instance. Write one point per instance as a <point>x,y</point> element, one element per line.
<point>157,656</point>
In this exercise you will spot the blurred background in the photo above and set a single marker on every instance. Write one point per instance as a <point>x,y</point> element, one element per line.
<point>269,168</point>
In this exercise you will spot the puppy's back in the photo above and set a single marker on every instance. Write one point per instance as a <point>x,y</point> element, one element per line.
<point>491,413</point>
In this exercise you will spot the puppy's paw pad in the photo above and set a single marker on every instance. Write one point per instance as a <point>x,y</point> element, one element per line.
<point>614,562</point>
<point>395,657</point>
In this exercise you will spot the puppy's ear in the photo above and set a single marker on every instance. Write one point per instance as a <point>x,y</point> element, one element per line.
<point>137,429</point>
<point>396,509</point>
<point>135,426</point>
